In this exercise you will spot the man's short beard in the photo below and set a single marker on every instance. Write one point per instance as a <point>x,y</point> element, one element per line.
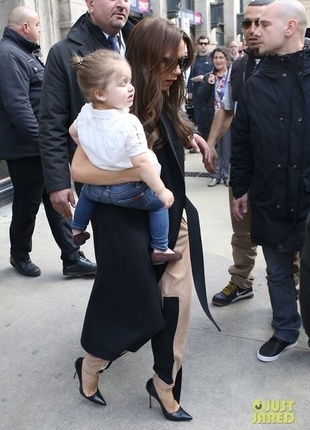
<point>117,24</point>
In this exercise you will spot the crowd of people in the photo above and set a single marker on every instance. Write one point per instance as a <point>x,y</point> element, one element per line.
<point>107,110</point>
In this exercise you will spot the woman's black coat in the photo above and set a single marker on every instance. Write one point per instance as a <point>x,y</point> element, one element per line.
<point>125,310</point>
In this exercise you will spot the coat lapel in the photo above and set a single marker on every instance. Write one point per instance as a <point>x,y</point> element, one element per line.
<point>173,141</point>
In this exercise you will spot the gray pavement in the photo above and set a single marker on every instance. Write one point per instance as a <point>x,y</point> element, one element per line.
<point>40,325</point>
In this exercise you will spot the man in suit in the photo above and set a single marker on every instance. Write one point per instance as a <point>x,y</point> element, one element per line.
<point>61,98</point>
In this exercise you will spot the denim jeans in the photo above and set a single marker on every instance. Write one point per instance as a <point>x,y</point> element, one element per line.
<point>223,153</point>
<point>131,194</point>
<point>304,297</point>
<point>280,279</point>
<point>29,191</point>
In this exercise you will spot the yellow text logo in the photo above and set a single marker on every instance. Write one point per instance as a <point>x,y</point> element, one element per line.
<point>273,411</point>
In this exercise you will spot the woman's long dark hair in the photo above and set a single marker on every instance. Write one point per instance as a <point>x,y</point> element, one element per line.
<point>151,40</point>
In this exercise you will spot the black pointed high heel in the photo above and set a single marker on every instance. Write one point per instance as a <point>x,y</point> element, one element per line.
<point>179,415</point>
<point>95,398</point>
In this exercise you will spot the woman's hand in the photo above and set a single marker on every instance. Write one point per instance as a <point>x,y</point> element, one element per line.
<point>83,171</point>
<point>200,145</point>
<point>211,78</point>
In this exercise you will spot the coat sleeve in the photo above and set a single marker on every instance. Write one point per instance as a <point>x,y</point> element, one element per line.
<point>54,121</point>
<point>241,160</point>
<point>205,90</point>
<point>14,90</point>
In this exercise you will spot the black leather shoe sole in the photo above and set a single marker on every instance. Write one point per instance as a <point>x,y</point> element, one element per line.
<point>83,267</point>
<point>25,268</point>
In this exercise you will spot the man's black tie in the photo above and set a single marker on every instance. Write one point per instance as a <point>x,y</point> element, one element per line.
<point>113,41</point>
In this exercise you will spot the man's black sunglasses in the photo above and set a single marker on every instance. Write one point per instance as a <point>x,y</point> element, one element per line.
<point>181,62</point>
<point>247,23</point>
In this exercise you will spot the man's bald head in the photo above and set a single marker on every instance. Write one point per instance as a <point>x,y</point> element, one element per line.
<point>25,21</point>
<point>290,9</point>
<point>19,15</point>
<point>282,28</point>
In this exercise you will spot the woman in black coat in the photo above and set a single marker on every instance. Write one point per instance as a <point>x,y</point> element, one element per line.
<point>127,307</point>
<point>211,92</point>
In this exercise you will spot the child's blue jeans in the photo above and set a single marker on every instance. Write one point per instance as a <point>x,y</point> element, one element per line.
<point>131,194</point>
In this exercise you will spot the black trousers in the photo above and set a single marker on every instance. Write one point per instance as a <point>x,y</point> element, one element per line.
<point>29,191</point>
<point>304,297</point>
<point>198,111</point>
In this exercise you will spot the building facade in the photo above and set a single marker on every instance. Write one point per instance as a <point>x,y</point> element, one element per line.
<point>218,19</point>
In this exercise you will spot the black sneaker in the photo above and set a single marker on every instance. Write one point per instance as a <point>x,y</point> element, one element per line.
<point>83,267</point>
<point>232,293</point>
<point>272,349</point>
<point>25,267</point>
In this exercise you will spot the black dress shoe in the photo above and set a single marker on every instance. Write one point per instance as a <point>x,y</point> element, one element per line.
<point>179,415</point>
<point>95,398</point>
<point>25,267</point>
<point>82,268</point>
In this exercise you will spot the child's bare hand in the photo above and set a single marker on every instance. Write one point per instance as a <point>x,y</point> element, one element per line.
<point>166,197</point>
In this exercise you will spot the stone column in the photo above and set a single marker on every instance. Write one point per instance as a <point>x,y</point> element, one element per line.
<point>159,8</point>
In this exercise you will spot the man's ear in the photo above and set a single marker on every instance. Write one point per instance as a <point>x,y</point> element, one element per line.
<point>90,5</point>
<point>25,27</point>
<point>291,27</point>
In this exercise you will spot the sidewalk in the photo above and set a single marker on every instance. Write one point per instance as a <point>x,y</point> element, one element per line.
<point>40,326</point>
